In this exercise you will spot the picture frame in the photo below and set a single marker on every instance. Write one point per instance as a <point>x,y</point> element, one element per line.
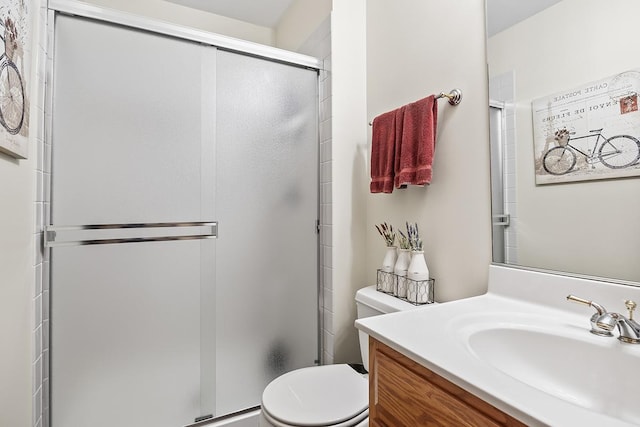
<point>15,66</point>
<point>588,132</point>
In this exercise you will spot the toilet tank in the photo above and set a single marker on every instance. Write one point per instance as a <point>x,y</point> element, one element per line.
<point>370,302</point>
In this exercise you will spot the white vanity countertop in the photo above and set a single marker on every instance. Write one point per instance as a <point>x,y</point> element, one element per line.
<point>437,337</point>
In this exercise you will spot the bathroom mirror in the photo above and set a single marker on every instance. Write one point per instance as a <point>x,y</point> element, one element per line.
<point>535,50</point>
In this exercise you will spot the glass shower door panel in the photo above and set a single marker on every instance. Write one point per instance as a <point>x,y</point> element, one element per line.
<point>126,335</point>
<point>266,205</point>
<point>129,146</point>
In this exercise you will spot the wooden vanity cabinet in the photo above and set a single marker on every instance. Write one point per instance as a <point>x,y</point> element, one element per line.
<point>405,393</point>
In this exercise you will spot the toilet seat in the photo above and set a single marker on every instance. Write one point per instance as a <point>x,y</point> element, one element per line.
<point>330,395</point>
<point>361,421</point>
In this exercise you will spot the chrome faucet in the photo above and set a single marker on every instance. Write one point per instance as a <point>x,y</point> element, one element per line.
<point>603,322</point>
<point>628,328</point>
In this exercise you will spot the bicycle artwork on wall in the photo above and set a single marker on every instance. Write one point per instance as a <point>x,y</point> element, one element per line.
<point>14,72</point>
<point>589,132</point>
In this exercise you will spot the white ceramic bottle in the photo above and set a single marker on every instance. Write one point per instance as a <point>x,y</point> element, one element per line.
<point>418,273</point>
<point>400,270</point>
<point>418,269</point>
<point>388,263</point>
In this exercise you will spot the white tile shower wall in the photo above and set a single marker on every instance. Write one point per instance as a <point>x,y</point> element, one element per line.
<point>41,298</point>
<point>502,88</point>
<point>319,45</point>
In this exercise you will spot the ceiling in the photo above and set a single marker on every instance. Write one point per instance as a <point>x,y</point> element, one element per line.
<point>266,13</point>
<point>501,14</point>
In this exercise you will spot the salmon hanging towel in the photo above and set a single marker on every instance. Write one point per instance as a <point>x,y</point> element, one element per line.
<point>415,150</point>
<point>385,135</point>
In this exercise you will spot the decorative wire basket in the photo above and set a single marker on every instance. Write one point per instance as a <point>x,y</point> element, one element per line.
<point>386,282</point>
<point>416,292</point>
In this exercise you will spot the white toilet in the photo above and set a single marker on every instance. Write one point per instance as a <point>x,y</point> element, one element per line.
<point>329,395</point>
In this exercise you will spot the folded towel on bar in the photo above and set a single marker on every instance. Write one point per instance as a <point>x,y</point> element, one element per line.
<point>387,129</point>
<point>415,150</point>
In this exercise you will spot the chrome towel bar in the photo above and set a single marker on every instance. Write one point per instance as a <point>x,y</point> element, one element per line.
<point>454,97</point>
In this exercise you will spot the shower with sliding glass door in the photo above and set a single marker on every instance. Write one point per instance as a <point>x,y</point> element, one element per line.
<point>182,233</point>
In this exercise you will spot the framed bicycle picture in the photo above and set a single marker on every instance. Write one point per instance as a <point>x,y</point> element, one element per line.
<point>588,132</point>
<point>15,52</point>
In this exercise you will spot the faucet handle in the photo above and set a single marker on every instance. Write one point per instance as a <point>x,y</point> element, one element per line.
<point>600,309</point>
<point>631,305</point>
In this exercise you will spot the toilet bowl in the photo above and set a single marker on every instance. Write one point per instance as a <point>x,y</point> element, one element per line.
<point>329,395</point>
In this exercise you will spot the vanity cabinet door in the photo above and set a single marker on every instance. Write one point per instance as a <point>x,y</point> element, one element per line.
<point>404,393</point>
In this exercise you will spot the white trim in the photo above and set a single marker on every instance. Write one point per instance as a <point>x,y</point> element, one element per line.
<point>74,7</point>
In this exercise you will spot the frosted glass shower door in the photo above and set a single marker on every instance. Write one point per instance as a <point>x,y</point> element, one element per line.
<point>267,205</point>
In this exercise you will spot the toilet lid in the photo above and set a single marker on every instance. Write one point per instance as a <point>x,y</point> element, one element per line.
<point>317,396</point>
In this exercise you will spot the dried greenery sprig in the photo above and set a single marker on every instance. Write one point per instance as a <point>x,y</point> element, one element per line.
<point>414,237</point>
<point>403,241</point>
<point>386,231</point>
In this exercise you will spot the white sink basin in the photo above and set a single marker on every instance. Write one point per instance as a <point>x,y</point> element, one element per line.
<point>596,373</point>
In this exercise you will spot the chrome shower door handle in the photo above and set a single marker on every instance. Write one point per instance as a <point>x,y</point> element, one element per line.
<point>51,233</point>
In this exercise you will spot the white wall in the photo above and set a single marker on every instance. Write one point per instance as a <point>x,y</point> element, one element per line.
<point>182,15</point>
<point>16,288</point>
<point>300,21</point>
<point>348,34</point>
<point>563,57</point>
<point>20,375</point>
<point>416,48</point>
<point>386,53</point>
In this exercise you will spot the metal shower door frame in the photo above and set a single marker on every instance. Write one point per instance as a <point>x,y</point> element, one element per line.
<point>76,8</point>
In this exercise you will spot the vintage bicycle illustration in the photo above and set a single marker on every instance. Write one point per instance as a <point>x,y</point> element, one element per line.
<point>616,152</point>
<point>12,102</point>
